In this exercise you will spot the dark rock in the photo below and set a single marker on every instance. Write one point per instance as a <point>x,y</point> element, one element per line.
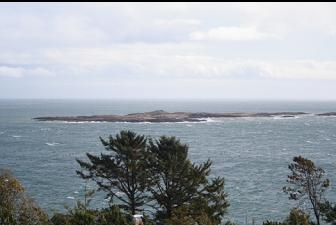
<point>162,116</point>
<point>327,114</point>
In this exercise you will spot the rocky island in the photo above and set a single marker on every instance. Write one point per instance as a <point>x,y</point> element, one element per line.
<point>327,114</point>
<point>163,116</point>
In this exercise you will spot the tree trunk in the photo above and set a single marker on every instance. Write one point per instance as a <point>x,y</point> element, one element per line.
<point>317,216</point>
<point>133,206</point>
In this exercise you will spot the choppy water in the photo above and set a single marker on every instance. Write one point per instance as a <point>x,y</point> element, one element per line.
<point>251,153</point>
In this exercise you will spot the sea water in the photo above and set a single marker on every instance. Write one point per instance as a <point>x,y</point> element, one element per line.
<point>252,154</point>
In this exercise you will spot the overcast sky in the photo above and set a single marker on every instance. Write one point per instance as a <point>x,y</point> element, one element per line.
<point>168,50</point>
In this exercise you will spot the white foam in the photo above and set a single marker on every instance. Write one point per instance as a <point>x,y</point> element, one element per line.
<point>52,143</point>
<point>70,197</point>
<point>16,136</point>
<point>73,122</point>
<point>45,129</point>
<point>107,199</point>
<point>77,122</point>
<point>210,120</point>
<point>118,193</point>
<point>278,118</point>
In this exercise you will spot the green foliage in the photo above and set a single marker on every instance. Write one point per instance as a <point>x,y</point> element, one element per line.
<point>183,216</point>
<point>16,207</point>
<point>83,216</point>
<point>162,168</point>
<point>113,216</point>
<point>60,219</point>
<point>306,183</point>
<point>229,223</point>
<point>329,212</point>
<point>297,217</point>
<point>268,222</point>
<point>148,221</point>
<point>121,170</point>
<point>176,182</point>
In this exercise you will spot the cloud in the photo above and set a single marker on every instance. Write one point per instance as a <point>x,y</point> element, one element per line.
<point>178,22</point>
<point>162,61</point>
<point>6,71</point>
<point>17,72</point>
<point>232,34</point>
<point>301,69</point>
<point>89,25</point>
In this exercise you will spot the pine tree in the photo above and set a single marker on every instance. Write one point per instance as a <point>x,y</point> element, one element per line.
<point>177,182</point>
<point>121,170</point>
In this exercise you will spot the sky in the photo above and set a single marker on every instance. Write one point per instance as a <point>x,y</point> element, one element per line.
<point>284,51</point>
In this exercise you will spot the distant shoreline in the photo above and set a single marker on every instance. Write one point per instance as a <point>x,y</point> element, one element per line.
<point>159,116</point>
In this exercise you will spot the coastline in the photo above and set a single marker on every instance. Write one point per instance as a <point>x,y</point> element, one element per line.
<point>160,116</point>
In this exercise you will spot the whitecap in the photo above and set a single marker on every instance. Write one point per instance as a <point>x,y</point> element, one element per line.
<point>16,136</point>
<point>211,120</point>
<point>107,199</point>
<point>76,192</point>
<point>278,118</point>
<point>273,210</point>
<point>70,197</point>
<point>45,129</point>
<point>118,193</point>
<point>52,143</point>
<point>75,122</point>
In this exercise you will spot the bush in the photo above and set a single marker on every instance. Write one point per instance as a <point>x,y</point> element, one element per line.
<point>16,207</point>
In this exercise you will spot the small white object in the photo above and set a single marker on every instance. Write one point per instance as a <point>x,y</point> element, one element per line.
<point>138,219</point>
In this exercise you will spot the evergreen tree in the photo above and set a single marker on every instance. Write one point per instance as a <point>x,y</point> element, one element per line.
<point>121,170</point>
<point>177,182</point>
<point>307,184</point>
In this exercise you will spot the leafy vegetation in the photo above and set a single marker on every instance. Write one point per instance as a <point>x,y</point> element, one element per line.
<point>328,210</point>
<point>16,207</point>
<point>295,217</point>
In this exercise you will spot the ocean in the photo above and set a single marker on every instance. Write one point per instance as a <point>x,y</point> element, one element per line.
<point>252,154</point>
